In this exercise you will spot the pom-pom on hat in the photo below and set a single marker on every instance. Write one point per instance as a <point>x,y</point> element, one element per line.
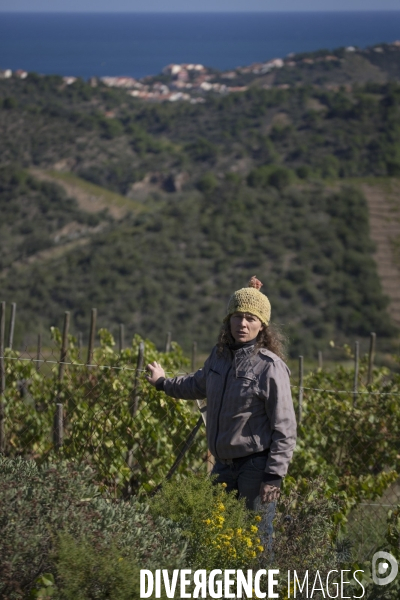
<point>250,300</point>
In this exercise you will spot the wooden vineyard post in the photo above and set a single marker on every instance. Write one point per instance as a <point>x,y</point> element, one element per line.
<point>168,342</point>
<point>2,377</point>
<point>194,356</point>
<point>80,344</point>
<point>92,335</point>
<point>356,368</point>
<point>59,426</point>
<point>121,338</point>
<point>371,358</point>
<point>64,346</point>
<point>38,351</point>
<point>139,367</point>
<point>301,390</point>
<point>12,325</point>
<point>320,360</point>
<point>58,423</point>
<point>134,404</point>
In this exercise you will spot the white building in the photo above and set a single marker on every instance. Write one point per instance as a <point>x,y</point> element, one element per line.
<point>69,80</point>
<point>172,70</point>
<point>120,82</point>
<point>21,74</point>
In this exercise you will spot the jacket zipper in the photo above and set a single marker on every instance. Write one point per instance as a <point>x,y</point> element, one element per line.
<point>219,410</point>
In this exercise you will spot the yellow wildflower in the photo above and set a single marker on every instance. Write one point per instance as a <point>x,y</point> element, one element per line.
<point>239,532</point>
<point>224,485</point>
<point>253,528</point>
<point>260,548</point>
<point>207,521</point>
<point>257,518</point>
<point>221,506</point>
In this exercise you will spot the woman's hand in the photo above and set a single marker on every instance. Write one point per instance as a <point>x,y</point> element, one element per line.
<point>156,371</point>
<point>269,493</point>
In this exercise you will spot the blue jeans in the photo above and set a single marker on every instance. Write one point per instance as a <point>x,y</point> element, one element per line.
<point>245,477</point>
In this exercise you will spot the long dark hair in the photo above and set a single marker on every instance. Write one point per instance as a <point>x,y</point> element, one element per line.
<point>270,337</point>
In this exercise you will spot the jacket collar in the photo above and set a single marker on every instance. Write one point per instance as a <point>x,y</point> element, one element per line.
<point>244,347</point>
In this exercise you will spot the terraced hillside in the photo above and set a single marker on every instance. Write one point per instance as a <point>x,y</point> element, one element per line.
<point>155,213</point>
<point>384,208</point>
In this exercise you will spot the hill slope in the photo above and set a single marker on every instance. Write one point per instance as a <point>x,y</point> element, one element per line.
<point>174,268</point>
<point>384,209</point>
<point>251,183</point>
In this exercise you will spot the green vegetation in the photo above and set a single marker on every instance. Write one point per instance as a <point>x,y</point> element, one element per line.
<point>68,522</point>
<point>32,215</point>
<point>113,419</point>
<point>218,528</point>
<point>100,193</point>
<point>255,182</point>
<point>131,434</point>
<point>62,539</point>
<point>154,274</point>
<point>265,182</point>
<point>353,440</point>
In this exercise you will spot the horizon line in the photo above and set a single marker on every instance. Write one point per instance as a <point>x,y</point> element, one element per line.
<point>187,12</point>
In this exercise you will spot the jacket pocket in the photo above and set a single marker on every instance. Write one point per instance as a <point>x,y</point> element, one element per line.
<point>254,441</point>
<point>245,375</point>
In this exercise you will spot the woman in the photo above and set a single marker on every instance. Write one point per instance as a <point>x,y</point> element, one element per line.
<point>251,426</point>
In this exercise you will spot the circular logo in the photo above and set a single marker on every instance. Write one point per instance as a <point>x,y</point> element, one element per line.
<point>384,568</point>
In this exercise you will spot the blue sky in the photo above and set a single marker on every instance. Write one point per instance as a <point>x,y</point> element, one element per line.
<point>194,5</point>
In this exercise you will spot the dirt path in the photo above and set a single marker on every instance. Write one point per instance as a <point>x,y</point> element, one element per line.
<point>383,199</point>
<point>91,198</point>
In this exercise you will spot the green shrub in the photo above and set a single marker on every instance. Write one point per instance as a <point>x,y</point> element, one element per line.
<point>259,177</point>
<point>233,178</point>
<point>280,178</point>
<point>203,150</point>
<point>88,572</point>
<point>330,166</point>
<point>9,103</point>
<point>220,531</point>
<point>207,183</point>
<point>305,532</point>
<point>270,175</point>
<point>303,172</point>
<point>393,168</point>
<point>42,509</point>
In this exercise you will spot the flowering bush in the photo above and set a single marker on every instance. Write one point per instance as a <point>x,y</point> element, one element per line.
<point>231,546</point>
<point>220,531</point>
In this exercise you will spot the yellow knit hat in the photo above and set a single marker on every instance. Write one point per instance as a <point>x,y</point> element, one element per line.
<point>250,300</point>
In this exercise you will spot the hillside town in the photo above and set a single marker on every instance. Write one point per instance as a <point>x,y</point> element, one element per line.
<point>193,82</point>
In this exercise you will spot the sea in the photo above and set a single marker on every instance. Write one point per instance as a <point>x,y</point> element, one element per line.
<point>139,44</point>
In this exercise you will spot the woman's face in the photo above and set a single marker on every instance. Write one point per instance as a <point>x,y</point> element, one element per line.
<point>244,326</point>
